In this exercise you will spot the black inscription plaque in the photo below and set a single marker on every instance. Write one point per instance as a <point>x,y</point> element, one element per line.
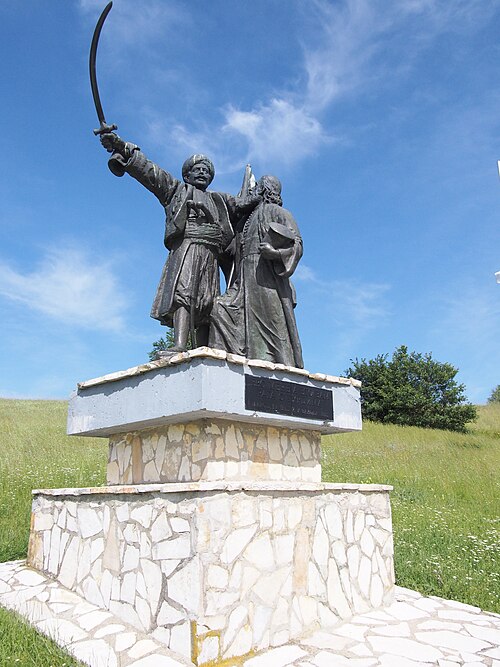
<point>288,398</point>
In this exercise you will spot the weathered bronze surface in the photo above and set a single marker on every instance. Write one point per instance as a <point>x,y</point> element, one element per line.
<point>255,317</point>
<point>103,127</point>
<point>250,237</point>
<point>199,228</point>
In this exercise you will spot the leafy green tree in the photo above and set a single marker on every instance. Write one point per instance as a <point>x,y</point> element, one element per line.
<point>165,343</point>
<point>161,344</point>
<point>412,389</point>
<point>495,395</point>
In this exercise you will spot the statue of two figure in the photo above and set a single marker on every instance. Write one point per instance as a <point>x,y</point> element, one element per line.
<point>251,237</point>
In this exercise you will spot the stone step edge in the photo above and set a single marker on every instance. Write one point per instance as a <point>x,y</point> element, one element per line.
<point>211,353</point>
<point>207,487</point>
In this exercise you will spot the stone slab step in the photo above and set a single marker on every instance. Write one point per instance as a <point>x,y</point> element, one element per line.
<point>92,635</point>
<point>413,631</point>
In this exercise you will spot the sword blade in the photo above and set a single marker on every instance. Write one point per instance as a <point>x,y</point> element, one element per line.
<point>92,60</point>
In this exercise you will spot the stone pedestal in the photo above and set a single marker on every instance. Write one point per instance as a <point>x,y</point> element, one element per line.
<point>220,570</point>
<point>214,450</point>
<point>206,384</point>
<point>207,415</point>
<point>215,533</point>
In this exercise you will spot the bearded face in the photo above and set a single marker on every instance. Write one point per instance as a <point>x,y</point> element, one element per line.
<point>269,188</point>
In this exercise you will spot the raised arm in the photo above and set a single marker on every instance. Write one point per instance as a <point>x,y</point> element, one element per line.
<point>128,158</point>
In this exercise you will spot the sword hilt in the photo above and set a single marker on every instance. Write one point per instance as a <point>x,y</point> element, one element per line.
<point>105,128</point>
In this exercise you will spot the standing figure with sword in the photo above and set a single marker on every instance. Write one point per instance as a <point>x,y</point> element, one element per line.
<point>198,227</point>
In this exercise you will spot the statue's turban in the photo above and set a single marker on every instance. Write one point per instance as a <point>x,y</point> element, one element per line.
<point>195,159</point>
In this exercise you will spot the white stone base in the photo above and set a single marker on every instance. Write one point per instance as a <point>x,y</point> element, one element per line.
<point>431,630</point>
<point>214,450</point>
<point>224,569</point>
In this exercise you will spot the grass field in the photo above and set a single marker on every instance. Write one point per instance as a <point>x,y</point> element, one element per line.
<point>35,452</point>
<point>446,501</point>
<point>22,646</point>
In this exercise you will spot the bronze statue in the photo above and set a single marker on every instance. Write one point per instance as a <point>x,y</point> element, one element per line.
<point>198,232</point>
<point>255,317</point>
<point>251,237</point>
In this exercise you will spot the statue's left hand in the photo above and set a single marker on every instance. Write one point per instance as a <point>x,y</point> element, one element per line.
<point>267,251</point>
<point>200,208</point>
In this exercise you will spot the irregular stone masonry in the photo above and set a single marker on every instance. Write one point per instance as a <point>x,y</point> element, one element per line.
<point>223,570</point>
<point>214,450</point>
<point>90,633</point>
<point>414,631</point>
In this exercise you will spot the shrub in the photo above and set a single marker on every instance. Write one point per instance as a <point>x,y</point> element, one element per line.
<point>495,395</point>
<point>412,389</point>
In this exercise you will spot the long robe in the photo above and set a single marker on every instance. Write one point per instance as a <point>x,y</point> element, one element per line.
<point>190,276</point>
<point>255,317</point>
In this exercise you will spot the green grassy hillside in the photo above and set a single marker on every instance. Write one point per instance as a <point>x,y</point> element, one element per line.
<point>35,453</point>
<point>445,503</point>
<point>446,499</point>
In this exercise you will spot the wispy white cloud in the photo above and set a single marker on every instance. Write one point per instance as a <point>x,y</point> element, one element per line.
<point>305,274</point>
<point>471,317</point>
<point>187,141</point>
<point>346,45</point>
<point>344,313</point>
<point>279,129</point>
<point>70,287</point>
<point>348,301</point>
<point>133,23</point>
<point>364,42</point>
<point>276,132</point>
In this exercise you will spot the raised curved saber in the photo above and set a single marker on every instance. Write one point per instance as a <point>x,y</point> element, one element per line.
<point>104,127</point>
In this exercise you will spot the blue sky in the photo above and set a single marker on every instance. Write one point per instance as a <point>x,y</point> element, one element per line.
<point>381,117</point>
